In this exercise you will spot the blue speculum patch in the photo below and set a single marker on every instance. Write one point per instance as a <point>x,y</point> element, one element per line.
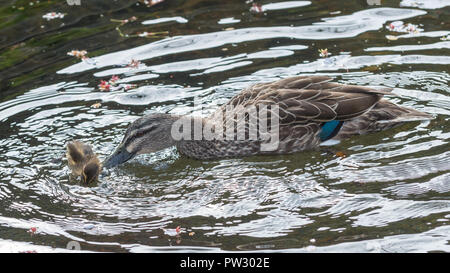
<point>330,129</point>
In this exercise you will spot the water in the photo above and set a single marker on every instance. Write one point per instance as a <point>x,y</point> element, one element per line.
<point>390,194</point>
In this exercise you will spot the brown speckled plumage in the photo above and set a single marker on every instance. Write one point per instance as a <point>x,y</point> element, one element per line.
<point>305,104</point>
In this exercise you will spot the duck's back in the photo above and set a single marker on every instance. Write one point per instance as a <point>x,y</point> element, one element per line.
<point>308,110</point>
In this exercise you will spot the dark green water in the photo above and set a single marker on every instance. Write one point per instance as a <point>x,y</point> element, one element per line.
<point>390,194</point>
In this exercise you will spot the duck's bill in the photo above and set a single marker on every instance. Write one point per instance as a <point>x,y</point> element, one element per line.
<point>121,155</point>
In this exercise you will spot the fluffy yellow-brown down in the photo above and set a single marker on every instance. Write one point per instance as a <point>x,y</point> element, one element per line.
<point>83,162</point>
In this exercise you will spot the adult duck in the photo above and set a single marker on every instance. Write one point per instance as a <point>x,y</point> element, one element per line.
<point>310,110</point>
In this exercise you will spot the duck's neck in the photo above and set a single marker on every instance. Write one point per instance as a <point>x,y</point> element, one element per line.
<point>184,128</point>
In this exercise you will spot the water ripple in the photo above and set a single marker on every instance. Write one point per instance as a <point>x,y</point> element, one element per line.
<point>332,28</point>
<point>389,194</point>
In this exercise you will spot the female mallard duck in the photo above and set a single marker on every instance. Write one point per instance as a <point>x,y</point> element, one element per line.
<point>83,162</point>
<point>311,109</point>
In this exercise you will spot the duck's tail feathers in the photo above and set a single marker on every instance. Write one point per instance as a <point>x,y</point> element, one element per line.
<point>419,116</point>
<point>384,91</point>
<point>399,114</point>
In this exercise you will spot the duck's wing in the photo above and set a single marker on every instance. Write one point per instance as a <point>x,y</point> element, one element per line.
<point>384,115</point>
<point>309,99</point>
<point>253,93</point>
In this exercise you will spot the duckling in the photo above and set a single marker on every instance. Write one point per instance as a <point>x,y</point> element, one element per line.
<point>82,161</point>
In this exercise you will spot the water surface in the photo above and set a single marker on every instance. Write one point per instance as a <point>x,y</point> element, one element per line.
<point>390,194</point>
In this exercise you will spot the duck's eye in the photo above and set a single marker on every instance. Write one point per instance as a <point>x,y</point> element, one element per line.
<point>139,134</point>
<point>144,131</point>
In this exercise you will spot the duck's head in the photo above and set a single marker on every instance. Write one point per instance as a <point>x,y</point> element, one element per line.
<point>91,171</point>
<point>145,135</point>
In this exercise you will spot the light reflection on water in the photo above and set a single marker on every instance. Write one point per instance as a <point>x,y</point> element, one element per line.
<point>389,194</point>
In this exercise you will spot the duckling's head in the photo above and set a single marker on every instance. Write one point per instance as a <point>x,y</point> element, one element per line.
<point>91,171</point>
<point>145,135</point>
